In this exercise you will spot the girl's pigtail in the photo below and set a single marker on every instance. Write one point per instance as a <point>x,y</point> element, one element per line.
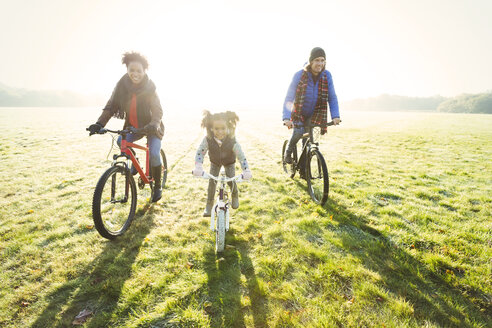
<point>206,118</point>
<point>231,119</point>
<point>207,121</point>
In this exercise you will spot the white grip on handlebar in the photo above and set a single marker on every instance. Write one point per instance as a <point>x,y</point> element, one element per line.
<point>205,175</point>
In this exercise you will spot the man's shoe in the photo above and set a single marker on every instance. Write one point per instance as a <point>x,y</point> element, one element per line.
<point>288,158</point>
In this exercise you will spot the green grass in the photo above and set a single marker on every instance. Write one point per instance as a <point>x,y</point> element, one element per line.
<point>404,240</point>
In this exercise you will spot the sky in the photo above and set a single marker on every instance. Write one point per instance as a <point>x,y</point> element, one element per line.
<point>235,54</point>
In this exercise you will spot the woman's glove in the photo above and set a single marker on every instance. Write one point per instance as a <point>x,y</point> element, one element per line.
<point>198,170</point>
<point>151,128</point>
<point>247,174</point>
<point>94,128</point>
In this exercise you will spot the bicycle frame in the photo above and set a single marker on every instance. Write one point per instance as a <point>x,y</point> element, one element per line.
<point>311,171</point>
<point>222,202</point>
<point>125,149</point>
<point>116,188</point>
<point>308,142</point>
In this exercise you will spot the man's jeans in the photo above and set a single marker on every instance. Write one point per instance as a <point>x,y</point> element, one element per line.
<point>296,136</point>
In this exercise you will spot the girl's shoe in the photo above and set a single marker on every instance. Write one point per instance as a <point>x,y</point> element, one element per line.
<point>208,209</point>
<point>235,199</point>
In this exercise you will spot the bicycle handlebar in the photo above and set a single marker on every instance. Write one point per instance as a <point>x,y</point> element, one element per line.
<point>237,178</point>
<point>125,131</point>
<point>319,125</point>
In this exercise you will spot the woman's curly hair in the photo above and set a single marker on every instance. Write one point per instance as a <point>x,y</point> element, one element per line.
<point>229,117</point>
<point>129,57</point>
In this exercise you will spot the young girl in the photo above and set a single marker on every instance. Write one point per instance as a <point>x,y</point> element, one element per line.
<point>223,149</point>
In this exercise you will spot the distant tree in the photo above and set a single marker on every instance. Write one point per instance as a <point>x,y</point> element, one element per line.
<point>468,103</point>
<point>15,97</point>
<point>483,104</point>
<point>387,102</point>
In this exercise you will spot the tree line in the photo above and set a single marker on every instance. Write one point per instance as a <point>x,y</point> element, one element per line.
<point>465,103</point>
<point>468,103</point>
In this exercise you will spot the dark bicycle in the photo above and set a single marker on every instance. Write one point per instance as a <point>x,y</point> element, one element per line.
<point>310,164</point>
<point>115,197</point>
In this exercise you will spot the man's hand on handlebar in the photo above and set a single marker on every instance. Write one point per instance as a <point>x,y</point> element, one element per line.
<point>336,121</point>
<point>288,124</point>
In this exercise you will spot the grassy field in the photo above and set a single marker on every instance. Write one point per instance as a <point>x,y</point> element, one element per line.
<point>404,240</point>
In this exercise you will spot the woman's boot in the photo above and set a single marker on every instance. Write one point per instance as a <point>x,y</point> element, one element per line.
<point>157,175</point>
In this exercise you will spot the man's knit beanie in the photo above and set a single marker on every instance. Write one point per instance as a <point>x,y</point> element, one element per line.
<point>317,52</point>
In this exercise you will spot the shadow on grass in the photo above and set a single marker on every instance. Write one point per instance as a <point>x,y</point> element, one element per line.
<point>434,299</point>
<point>98,286</point>
<point>225,288</point>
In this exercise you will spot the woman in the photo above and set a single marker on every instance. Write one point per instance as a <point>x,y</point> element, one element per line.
<point>309,94</point>
<point>135,100</point>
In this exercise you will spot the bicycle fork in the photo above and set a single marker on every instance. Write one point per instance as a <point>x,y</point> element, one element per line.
<point>220,206</point>
<point>113,188</point>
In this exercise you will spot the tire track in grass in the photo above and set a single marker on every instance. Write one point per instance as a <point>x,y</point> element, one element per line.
<point>190,149</point>
<point>175,203</point>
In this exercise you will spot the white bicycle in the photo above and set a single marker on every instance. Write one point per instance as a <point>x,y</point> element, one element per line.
<point>221,208</point>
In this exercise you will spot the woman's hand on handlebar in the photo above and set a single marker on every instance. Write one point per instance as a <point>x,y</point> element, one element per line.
<point>94,128</point>
<point>336,121</point>
<point>288,124</point>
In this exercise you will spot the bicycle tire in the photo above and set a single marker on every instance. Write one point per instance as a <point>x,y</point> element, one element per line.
<point>164,168</point>
<point>110,218</point>
<point>220,232</point>
<point>317,177</point>
<point>290,169</point>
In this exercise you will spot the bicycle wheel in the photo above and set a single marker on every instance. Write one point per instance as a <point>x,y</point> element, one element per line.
<point>290,169</point>
<point>220,232</point>
<point>317,177</point>
<point>164,168</point>
<point>114,202</point>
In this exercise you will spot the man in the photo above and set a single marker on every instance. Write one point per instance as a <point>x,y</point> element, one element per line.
<point>309,94</point>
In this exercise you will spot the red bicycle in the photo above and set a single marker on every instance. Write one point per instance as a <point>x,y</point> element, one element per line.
<point>115,197</point>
